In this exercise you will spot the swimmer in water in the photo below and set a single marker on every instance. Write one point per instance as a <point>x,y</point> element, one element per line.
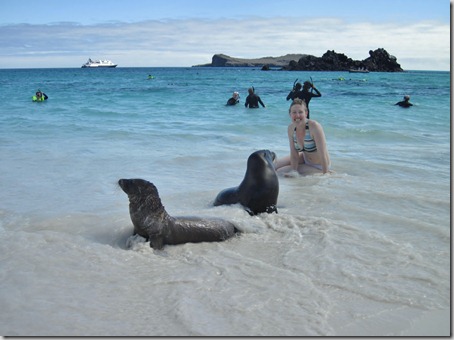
<point>234,100</point>
<point>307,96</point>
<point>253,100</point>
<point>405,102</point>
<point>39,96</point>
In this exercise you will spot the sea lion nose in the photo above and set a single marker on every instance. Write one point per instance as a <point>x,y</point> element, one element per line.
<point>123,183</point>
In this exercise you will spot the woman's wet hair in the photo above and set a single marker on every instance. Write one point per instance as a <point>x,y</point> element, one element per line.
<point>297,101</point>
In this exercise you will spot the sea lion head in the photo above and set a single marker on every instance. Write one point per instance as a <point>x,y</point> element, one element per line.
<point>260,160</point>
<point>145,206</point>
<point>141,192</point>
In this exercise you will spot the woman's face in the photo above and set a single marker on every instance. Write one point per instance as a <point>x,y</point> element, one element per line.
<point>298,112</point>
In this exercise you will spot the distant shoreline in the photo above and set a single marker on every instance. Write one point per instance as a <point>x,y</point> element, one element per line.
<point>222,60</point>
<point>379,60</point>
<point>166,67</point>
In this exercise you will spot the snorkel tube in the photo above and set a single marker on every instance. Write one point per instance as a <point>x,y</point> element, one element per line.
<point>294,83</point>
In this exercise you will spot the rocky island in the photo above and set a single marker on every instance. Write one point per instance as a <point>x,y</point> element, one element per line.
<point>378,61</point>
<point>222,60</point>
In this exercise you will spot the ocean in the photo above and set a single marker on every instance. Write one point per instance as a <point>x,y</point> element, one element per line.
<point>364,250</point>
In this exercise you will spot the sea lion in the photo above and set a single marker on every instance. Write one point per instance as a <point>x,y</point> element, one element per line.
<point>260,187</point>
<point>151,220</point>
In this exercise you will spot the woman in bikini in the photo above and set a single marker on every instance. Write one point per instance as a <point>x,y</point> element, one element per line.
<point>308,151</point>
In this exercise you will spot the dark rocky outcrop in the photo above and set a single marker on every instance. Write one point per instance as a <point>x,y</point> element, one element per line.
<point>379,61</point>
<point>222,60</point>
<point>266,67</point>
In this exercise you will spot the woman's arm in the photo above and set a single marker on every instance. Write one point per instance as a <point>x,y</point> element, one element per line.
<point>294,155</point>
<point>322,149</point>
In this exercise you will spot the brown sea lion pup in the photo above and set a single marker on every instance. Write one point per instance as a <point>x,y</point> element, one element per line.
<point>151,220</point>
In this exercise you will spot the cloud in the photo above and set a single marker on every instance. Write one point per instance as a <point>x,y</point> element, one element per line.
<point>194,41</point>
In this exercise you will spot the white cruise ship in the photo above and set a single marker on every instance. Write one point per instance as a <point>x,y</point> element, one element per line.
<point>98,63</point>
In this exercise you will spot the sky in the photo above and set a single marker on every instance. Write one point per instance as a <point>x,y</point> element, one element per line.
<point>166,33</point>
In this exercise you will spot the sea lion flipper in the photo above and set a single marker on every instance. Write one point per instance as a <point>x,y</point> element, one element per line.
<point>156,242</point>
<point>249,211</point>
<point>227,196</point>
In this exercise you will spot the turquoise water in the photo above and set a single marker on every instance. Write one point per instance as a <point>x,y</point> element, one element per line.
<point>371,240</point>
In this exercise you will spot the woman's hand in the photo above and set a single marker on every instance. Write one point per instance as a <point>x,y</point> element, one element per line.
<point>292,174</point>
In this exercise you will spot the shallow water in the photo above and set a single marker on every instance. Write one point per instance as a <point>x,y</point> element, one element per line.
<point>363,251</point>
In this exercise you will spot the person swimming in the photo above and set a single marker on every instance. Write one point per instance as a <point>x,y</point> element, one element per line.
<point>253,100</point>
<point>295,92</point>
<point>302,92</point>
<point>234,100</point>
<point>405,102</point>
<point>307,96</point>
<point>39,96</point>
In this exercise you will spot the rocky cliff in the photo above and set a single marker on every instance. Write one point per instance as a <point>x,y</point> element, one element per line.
<point>378,61</point>
<point>222,60</point>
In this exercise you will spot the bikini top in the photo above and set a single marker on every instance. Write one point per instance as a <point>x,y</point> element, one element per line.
<point>309,143</point>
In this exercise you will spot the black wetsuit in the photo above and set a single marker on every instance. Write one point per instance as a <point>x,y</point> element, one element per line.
<point>253,101</point>
<point>232,101</point>
<point>304,95</point>
<point>295,94</point>
<point>307,96</point>
<point>404,103</point>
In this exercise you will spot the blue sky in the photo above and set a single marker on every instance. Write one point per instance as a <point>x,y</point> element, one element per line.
<point>56,33</point>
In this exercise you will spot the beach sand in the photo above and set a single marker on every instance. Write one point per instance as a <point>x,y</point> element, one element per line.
<point>401,322</point>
